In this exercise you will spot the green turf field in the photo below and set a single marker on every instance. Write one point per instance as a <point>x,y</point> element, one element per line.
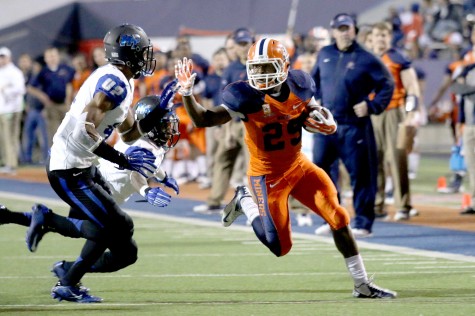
<point>186,269</point>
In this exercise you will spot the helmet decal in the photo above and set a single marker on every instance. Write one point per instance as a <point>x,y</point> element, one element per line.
<point>129,40</point>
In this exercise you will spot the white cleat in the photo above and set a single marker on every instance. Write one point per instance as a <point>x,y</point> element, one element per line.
<point>304,220</point>
<point>323,230</point>
<point>233,210</point>
<point>361,233</point>
<point>371,290</point>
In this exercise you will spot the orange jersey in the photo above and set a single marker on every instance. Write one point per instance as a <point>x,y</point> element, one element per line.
<point>396,62</point>
<point>152,83</point>
<point>273,127</point>
<point>277,166</point>
<point>79,78</point>
<point>453,66</point>
<point>195,135</point>
<point>469,58</point>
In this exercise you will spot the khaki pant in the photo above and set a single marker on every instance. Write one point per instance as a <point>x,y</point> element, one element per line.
<point>54,116</point>
<point>392,139</point>
<point>225,159</point>
<point>10,138</point>
<point>468,139</point>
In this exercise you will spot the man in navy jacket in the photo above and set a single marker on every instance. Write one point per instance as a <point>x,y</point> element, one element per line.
<point>353,83</point>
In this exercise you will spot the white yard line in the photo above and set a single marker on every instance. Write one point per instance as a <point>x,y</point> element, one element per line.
<point>431,270</point>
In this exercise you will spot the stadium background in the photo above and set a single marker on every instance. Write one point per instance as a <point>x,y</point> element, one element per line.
<point>32,25</point>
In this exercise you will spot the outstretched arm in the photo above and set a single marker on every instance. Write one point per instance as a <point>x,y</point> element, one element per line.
<point>85,133</point>
<point>201,116</point>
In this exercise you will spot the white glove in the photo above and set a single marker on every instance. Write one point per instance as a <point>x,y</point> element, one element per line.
<point>185,77</point>
<point>320,120</point>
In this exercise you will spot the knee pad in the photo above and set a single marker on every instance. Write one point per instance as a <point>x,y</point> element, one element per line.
<point>130,254</point>
<point>123,227</point>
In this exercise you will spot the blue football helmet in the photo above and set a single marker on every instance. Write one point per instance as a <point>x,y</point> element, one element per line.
<point>165,134</point>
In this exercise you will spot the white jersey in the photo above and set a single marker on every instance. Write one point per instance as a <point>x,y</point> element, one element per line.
<point>67,152</point>
<point>123,183</point>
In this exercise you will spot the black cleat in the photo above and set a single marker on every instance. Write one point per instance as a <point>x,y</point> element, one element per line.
<point>72,294</point>
<point>36,231</point>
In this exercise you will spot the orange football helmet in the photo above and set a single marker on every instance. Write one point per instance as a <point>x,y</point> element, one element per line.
<point>267,64</point>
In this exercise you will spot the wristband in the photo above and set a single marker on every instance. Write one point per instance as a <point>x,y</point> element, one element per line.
<point>186,93</point>
<point>411,103</point>
<point>109,153</point>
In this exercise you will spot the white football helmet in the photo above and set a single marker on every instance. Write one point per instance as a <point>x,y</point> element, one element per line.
<point>267,64</point>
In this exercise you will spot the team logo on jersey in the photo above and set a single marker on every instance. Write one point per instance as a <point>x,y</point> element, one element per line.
<point>350,65</point>
<point>266,110</point>
<point>129,40</point>
<point>296,106</point>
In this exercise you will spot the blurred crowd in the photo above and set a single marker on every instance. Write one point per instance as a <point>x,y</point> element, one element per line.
<point>427,29</point>
<point>433,28</point>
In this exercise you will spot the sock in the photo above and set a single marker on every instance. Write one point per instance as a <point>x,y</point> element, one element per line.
<point>9,217</point>
<point>249,207</point>
<point>413,161</point>
<point>357,269</point>
<point>201,164</point>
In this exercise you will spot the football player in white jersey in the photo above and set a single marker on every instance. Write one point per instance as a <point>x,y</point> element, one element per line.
<point>121,184</point>
<point>101,105</point>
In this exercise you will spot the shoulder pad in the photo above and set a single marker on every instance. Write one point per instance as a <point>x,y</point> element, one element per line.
<point>241,97</point>
<point>301,84</point>
<point>113,87</point>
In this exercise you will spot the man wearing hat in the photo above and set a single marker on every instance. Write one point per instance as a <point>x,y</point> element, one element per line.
<point>12,90</point>
<point>345,75</point>
<point>231,143</point>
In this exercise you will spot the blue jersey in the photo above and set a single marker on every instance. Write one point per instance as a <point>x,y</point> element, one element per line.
<point>213,88</point>
<point>54,83</point>
<point>346,78</point>
<point>236,71</point>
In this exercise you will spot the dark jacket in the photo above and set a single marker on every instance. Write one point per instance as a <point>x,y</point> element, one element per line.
<point>345,78</point>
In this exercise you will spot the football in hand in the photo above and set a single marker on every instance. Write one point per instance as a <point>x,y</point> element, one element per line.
<point>320,120</point>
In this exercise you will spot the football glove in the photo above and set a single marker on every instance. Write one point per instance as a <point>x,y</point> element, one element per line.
<point>320,120</point>
<point>186,80</point>
<point>140,160</point>
<point>158,197</point>
<point>171,183</point>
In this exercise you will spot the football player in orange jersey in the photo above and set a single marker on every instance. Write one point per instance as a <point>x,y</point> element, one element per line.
<point>273,104</point>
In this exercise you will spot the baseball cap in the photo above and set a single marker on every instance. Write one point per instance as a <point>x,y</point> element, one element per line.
<point>5,51</point>
<point>243,35</point>
<point>342,19</point>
